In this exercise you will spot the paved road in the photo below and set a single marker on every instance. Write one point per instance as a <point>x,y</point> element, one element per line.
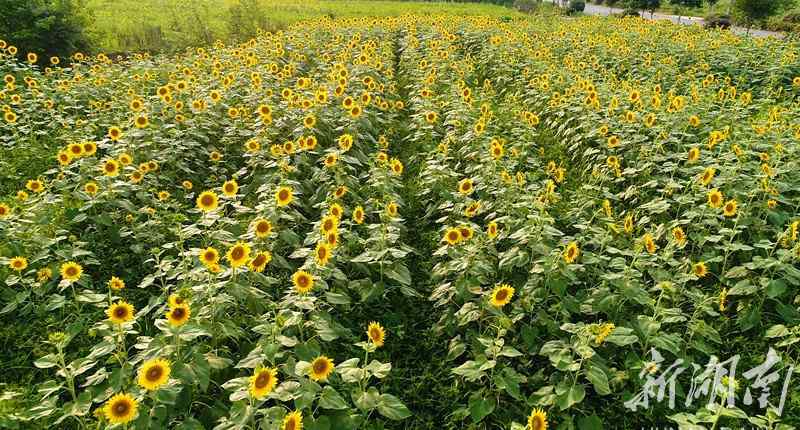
<point>595,9</point>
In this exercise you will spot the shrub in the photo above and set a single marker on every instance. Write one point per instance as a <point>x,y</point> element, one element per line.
<point>526,5</point>
<point>576,6</point>
<point>47,27</point>
<point>717,21</point>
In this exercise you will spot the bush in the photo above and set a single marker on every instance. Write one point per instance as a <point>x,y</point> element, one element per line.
<point>525,5</point>
<point>49,27</point>
<point>717,21</point>
<point>789,21</point>
<point>629,12</point>
<point>576,6</point>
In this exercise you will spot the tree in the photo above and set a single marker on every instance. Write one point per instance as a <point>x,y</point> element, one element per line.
<point>680,4</point>
<point>45,27</point>
<point>752,11</point>
<point>648,5</point>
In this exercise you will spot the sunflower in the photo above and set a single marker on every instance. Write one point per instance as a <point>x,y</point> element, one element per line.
<point>175,300</point>
<point>215,156</point>
<point>229,188</point>
<point>64,158</point>
<point>345,142</point>
<point>322,253</point>
<point>293,421</point>
<point>694,120</point>
<point>115,283</point>
<point>10,117</point>
<point>571,253</point>
<point>5,210</point>
<point>263,382</point>
<point>491,230</point>
<point>708,175</point>
<point>613,141</point>
<point>309,121</point>
<point>466,232</point>
<point>321,368</point>
<point>729,209</point>
<point>260,261</point>
<point>391,209</point>
<point>154,373</point>
<point>452,236</point>
<point>465,187</point>
<point>120,312</point>
<point>303,281</point>
<point>115,134</point>
<point>18,263</point>
<point>332,238</point>
<point>397,166</point>
<point>328,224</point>
<point>120,409</point>
<point>649,243</point>
<point>715,198</point>
<point>341,190</point>
<point>431,117</point>
<point>209,256</point>
<point>537,420</point>
<point>284,196</point>
<point>238,255</point>
<point>111,168</point>
<point>125,159</point>
<point>178,315</point>
<point>89,149</point>
<point>355,111</point>
<point>187,185</point>
<point>330,160</point>
<point>90,188</point>
<point>694,154</point>
<point>207,201</point>
<point>336,211</point>
<point>71,271</point>
<point>699,269</point>
<point>376,333</point>
<point>501,295</point>
<point>679,235</point>
<point>358,215</point>
<point>35,185</point>
<point>75,150</point>
<point>262,228</point>
<point>142,121</point>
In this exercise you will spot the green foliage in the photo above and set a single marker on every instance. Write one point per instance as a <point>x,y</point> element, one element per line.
<point>648,5</point>
<point>47,27</point>
<point>752,11</point>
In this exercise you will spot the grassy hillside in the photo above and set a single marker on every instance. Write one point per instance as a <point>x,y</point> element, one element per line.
<point>136,25</point>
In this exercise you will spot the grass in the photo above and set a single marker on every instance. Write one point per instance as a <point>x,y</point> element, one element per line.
<point>169,25</point>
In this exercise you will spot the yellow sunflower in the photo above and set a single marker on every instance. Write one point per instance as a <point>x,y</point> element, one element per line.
<point>120,409</point>
<point>263,382</point>
<point>115,283</point>
<point>71,271</point>
<point>111,168</point>
<point>90,188</point>
<point>571,253</point>
<point>209,256</point>
<point>175,300</point>
<point>259,262</point>
<point>391,209</point>
<point>491,230</point>
<point>293,421</point>
<point>465,187</point>
<point>328,224</point>
<point>537,420</point>
<point>207,201</point>
<point>322,253</point>
<point>178,315</point>
<point>649,243</point>
<point>238,255</point>
<point>699,269</point>
<point>18,263</point>
<point>321,368</point>
<point>715,198</point>
<point>303,281</point>
<point>452,236</point>
<point>154,373</point>
<point>115,134</point>
<point>501,295</point>
<point>729,209</point>
<point>5,210</point>
<point>120,312</point>
<point>262,228</point>
<point>230,188</point>
<point>358,215</point>
<point>284,196</point>
<point>376,333</point>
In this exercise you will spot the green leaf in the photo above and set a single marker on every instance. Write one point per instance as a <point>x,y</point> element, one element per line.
<point>480,407</point>
<point>592,422</point>
<point>570,396</point>
<point>331,399</point>
<point>598,378</point>
<point>46,362</point>
<point>391,407</point>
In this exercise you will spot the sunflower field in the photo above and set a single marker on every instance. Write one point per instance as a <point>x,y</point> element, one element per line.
<point>413,222</point>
